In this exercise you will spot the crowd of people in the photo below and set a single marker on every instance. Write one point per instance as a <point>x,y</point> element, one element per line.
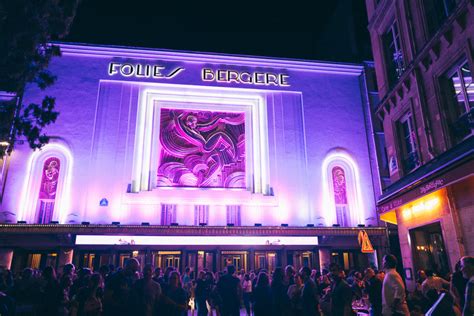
<point>283,291</point>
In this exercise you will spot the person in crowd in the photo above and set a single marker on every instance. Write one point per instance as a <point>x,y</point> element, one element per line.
<point>290,275</point>
<point>177,295</point>
<point>69,269</point>
<point>201,294</point>
<point>467,269</point>
<point>310,294</point>
<point>104,271</point>
<point>89,298</point>
<point>157,275</point>
<point>117,292</point>
<point>357,285</point>
<point>457,285</point>
<point>262,296</point>
<point>247,292</point>
<point>49,289</point>
<point>294,294</point>
<point>64,298</point>
<point>393,289</point>
<point>341,293</point>
<point>420,278</point>
<point>279,290</point>
<point>433,282</point>
<point>213,297</point>
<point>164,279</point>
<point>146,293</point>
<point>230,292</point>
<point>373,288</point>
<point>80,281</point>
<point>186,280</point>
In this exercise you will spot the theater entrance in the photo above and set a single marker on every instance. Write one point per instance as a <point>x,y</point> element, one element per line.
<point>236,258</point>
<point>165,259</point>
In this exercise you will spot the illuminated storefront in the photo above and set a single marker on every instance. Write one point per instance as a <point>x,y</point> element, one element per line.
<point>434,218</point>
<point>197,146</point>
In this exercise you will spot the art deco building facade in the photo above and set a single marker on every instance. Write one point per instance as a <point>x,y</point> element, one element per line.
<point>423,54</point>
<point>192,159</point>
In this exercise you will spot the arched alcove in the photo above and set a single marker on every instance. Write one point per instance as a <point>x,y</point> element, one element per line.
<point>48,174</point>
<point>342,202</point>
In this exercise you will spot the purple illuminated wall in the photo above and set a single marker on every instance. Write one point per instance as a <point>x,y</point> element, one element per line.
<point>202,149</point>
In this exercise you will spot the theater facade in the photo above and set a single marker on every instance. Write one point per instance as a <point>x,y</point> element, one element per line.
<point>195,159</point>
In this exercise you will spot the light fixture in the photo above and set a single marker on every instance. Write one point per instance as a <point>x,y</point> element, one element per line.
<point>4,143</point>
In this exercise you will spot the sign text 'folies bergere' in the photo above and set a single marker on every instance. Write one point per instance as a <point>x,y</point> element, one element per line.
<point>154,71</point>
<point>245,77</point>
<point>143,70</point>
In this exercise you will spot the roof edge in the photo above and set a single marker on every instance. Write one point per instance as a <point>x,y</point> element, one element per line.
<point>94,50</point>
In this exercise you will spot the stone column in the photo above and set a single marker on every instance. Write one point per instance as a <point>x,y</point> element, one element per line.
<point>324,258</point>
<point>6,257</point>
<point>64,257</point>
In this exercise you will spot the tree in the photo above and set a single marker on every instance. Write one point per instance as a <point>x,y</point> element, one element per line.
<point>26,30</point>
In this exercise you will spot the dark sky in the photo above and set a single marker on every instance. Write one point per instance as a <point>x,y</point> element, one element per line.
<point>334,30</point>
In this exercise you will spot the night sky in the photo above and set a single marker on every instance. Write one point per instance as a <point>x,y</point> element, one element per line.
<point>334,30</point>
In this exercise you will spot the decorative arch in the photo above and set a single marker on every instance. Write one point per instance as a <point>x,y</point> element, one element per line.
<point>342,201</point>
<point>47,180</point>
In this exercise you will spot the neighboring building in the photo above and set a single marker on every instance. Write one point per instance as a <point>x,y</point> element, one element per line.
<point>423,54</point>
<point>193,159</point>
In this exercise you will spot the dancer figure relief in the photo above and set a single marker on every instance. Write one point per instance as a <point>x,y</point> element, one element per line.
<point>202,149</point>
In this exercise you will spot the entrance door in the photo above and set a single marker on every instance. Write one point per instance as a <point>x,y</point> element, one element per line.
<point>165,259</point>
<point>238,259</point>
<point>429,252</point>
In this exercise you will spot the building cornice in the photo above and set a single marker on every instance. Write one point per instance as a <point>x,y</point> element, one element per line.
<point>158,230</point>
<point>103,51</point>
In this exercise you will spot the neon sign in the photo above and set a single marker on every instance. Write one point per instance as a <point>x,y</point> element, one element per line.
<point>142,70</point>
<point>245,77</point>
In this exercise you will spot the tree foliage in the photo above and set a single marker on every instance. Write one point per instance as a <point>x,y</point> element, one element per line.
<point>26,30</point>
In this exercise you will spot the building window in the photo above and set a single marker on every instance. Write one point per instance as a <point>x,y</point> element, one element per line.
<point>340,196</point>
<point>48,189</point>
<point>201,214</point>
<point>460,101</point>
<point>233,214</point>
<point>408,146</point>
<point>393,54</point>
<point>436,12</point>
<point>168,214</point>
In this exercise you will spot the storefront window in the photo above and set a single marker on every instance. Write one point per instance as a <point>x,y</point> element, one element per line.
<point>429,251</point>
